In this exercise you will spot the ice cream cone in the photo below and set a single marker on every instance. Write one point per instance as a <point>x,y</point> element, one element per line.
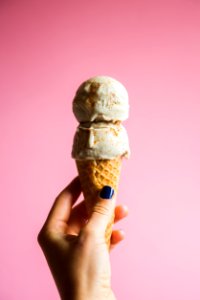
<point>94,175</point>
<point>101,141</point>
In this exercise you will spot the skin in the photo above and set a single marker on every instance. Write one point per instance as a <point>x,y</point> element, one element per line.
<point>75,247</point>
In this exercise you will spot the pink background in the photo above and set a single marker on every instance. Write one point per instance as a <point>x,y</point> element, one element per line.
<point>47,49</point>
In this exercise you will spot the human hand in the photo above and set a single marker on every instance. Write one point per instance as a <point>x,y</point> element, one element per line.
<point>75,247</point>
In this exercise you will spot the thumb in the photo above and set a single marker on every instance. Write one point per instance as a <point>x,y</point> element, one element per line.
<point>103,210</point>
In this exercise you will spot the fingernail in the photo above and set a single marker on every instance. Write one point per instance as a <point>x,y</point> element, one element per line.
<point>106,192</point>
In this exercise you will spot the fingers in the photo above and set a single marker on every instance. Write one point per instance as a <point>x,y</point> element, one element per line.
<point>61,209</point>
<point>102,214</point>
<point>117,236</point>
<point>121,211</point>
<point>102,211</point>
<point>78,219</point>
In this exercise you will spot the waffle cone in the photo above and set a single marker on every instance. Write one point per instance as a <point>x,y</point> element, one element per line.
<point>94,175</point>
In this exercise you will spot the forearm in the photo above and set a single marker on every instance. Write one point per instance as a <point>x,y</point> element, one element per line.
<point>86,295</point>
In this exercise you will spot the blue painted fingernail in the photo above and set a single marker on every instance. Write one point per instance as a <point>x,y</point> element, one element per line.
<point>106,192</point>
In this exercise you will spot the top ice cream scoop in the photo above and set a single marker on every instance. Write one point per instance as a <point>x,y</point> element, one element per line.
<point>101,98</point>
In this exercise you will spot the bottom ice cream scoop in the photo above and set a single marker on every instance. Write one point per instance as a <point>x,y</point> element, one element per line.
<point>95,141</point>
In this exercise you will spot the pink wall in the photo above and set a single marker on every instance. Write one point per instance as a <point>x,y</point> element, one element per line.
<point>47,48</point>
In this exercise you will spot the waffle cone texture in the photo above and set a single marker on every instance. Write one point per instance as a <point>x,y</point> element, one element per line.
<point>94,175</point>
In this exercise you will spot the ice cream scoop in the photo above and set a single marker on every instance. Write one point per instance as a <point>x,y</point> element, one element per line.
<point>100,141</point>
<point>101,98</point>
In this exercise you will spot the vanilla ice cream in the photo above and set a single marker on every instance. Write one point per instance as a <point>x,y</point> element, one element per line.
<point>101,98</point>
<point>94,141</point>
